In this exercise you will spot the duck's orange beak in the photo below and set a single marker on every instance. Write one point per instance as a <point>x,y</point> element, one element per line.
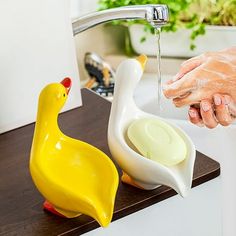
<point>67,84</point>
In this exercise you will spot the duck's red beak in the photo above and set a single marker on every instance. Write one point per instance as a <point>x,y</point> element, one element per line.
<point>67,84</point>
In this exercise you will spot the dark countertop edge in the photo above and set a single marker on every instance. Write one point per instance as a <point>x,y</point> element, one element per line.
<point>142,204</point>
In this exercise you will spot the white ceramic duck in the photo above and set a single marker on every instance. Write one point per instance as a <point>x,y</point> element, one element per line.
<point>138,170</point>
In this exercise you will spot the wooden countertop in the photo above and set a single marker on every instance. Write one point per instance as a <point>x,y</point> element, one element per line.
<point>21,204</point>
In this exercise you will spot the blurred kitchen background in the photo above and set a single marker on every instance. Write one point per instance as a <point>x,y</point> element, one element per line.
<point>195,27</point>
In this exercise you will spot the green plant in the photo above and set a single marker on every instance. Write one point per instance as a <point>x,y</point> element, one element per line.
<point>190,14</point>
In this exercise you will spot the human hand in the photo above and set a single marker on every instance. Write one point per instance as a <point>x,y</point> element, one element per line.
<point>220,110</point>
<point>199,84</point>
<point>203,76</point>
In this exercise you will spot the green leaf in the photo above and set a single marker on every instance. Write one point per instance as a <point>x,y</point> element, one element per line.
<point>143,39</point>
<point>192,46</point>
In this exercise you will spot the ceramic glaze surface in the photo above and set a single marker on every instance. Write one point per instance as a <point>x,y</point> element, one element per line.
<point>157,141</point>
<point>145,173</point>
<point>72,175</point>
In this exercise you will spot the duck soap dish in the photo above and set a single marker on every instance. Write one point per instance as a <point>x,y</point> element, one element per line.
<point>150,150</point>
<point>73,176</point>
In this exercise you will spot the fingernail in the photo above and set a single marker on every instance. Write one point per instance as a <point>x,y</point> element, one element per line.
<point>192,113</point>
<point>217,100</point>
<point>169,82</point>
<point>176,77</point>
<point>227,100</point>
<point>205,106</point>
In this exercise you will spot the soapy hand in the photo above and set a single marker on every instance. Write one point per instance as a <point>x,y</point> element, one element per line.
<point>222,110</point>
<point>208,84</point>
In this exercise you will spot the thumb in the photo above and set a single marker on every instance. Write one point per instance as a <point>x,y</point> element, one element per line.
<point>231,105</point>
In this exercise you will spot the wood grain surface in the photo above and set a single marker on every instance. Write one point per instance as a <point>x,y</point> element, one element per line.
<point>21,204</point>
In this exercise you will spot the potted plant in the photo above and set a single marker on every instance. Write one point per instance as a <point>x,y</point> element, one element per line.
<point>195,26</point>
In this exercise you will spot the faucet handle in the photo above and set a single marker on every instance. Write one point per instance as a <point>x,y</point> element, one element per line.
<point>157,15</point>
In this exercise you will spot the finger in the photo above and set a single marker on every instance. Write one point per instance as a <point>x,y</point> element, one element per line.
<point>170,81</point>
<point>229,50</point>
<point>188,66</point>
<point>221,110</point>
<point>189,99</point>
<point>207,114</point>
<point>190,60</point>
<point>195,117</point>
<point>231,106</point>
<point>180,87</point>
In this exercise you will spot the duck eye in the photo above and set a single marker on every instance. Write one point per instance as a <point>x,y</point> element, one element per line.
<point>64,95</point>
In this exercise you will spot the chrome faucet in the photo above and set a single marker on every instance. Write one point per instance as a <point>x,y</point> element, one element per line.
<point>156,15</point>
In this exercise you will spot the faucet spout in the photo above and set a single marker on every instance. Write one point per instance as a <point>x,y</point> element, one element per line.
<point>156,15</point>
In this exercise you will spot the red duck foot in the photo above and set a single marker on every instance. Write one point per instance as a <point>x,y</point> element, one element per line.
<point>47,206</point>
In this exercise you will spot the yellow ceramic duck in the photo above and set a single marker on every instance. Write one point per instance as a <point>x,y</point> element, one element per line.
<point>72,175</point>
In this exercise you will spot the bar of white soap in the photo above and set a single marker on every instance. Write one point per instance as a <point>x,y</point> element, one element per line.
<point>157,141</point>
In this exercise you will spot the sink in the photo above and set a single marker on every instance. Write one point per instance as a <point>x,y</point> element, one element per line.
<point>146,98</point>
<point>218,143</point>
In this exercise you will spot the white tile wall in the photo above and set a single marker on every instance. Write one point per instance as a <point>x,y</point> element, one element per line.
<point>81,7</point>
<point>36,48</point>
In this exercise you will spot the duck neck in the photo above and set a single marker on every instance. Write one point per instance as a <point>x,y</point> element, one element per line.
<point>123,99</point>
<point>46,126</point>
